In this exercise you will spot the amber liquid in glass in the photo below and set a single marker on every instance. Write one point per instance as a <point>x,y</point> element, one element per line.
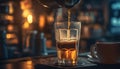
<point>67,52</point>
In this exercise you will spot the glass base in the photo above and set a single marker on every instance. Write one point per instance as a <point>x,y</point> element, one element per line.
<point>67,62</point>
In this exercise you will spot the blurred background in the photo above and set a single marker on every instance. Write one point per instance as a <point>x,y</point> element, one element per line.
<point>29,24</point>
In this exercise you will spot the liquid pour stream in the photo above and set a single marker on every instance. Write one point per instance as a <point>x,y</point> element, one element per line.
<point>68,31</point>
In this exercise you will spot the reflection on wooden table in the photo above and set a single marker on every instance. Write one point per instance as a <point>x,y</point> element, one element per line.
<point>40,61</point>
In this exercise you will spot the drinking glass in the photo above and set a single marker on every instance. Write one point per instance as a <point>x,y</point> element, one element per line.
<point>67,42</point>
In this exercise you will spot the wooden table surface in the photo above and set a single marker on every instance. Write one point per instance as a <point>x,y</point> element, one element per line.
<point>49,62</point>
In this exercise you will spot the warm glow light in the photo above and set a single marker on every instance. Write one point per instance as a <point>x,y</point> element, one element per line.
<point>10,28</point>
<point>50,19</point>
<point>29,64</point>
<point>41,21</point>
<point>29,18</point>
<point>26,13</point>
<point>26,25</point>
<point>8,17</point>
<point>8,36</point>
<point>25,4</point>
<point>11,38</point>
<point>11,8</point>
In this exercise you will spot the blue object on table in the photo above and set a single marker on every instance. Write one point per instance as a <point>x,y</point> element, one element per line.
<point>32,41</point>
<point>3,46</point>
<point>43,49</point>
